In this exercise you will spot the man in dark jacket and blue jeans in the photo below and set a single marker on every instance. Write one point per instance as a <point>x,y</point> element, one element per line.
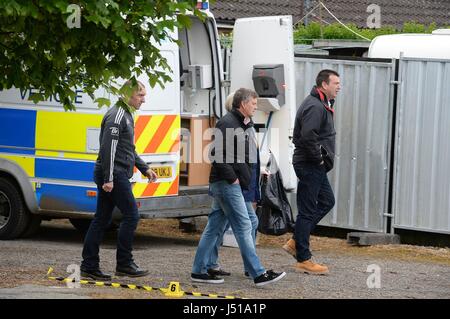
<point>113,169</point>
<point>314,140</point>
<point>231,172</point>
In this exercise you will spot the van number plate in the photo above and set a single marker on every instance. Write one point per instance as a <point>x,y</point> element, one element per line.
<point>163,171</point>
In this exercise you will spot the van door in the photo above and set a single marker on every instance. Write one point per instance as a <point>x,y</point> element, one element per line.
<point>201,96</point>
<point>269,41</point>
<point>201,72</point>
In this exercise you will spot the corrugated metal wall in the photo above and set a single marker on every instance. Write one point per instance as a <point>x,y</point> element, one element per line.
<point>363,125</point>
<point>422,154</point>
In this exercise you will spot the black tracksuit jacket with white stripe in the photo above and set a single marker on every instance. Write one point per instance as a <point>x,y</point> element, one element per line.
<point>117,151</point>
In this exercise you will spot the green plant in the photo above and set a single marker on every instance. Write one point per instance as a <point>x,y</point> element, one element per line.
<point>226,40</point>
<point>306,34</point>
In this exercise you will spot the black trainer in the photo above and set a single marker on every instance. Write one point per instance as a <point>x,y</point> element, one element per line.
<point>131,270</point>
<point>268,277</point>
<point>206,278</point>
<point>247,275</point>
<point>95,274</point>
<point>218,272</point>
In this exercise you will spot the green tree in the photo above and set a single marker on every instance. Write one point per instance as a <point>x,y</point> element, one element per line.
<point>58,45</point>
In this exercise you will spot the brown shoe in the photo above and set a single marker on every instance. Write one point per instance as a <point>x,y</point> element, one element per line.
<point>289,247</point>
<point>310,267</point>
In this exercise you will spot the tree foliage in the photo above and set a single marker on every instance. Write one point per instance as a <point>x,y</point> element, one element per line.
<point>40,48</point>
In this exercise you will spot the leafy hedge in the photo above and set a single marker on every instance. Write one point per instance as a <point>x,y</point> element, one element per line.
<point>306,34</point>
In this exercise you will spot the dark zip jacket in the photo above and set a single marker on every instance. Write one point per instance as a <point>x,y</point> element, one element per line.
<point>233,153</point>
<point>117,150</point>
<point>253,192</point>
<point>314,133</point>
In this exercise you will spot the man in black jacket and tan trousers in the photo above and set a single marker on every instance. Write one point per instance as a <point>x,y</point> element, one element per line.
<point>314,140</point>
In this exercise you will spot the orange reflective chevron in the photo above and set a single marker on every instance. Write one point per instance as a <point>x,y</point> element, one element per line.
<point>176,145</point>
<point>139,126</point>
<point>150,189</point>
<point>160,134</point>
<point>157,189</point>
<point>157,134</point>
<point>173,190</point>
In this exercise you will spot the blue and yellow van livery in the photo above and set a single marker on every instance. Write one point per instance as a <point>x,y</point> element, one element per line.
<point>56,151</point>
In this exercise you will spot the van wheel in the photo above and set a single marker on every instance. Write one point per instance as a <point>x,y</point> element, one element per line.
<point>33,226</point>
<point>14,216</point>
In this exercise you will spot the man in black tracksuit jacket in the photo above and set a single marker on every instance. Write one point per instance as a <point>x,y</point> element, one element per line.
<point>113,169</point>
<point>314,140</point>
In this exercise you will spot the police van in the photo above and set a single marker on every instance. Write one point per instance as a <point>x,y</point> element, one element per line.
<point>47,155</point>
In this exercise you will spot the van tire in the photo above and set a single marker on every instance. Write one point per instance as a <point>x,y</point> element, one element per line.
<point>13,210</point>
<point>33,226</point>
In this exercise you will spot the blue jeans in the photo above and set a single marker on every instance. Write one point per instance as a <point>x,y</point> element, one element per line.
<point>122,197</point>
<point>315,199</point>
<point>213,259</point>
<point>228,205</point>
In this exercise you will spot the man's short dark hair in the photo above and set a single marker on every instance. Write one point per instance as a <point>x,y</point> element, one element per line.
<point>324,76</point>
<point>243,95</point>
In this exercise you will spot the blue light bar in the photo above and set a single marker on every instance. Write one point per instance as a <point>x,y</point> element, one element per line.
<point>203,5</point>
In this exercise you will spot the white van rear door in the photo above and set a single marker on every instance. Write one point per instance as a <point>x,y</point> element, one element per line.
<point>268,40</point>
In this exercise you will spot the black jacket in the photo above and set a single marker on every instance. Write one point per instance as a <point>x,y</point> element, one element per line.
<point>233,151</point>
<point>314,133</point>
<point>117,151</point>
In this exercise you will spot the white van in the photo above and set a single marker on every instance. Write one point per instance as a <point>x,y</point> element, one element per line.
<point>434,46</point>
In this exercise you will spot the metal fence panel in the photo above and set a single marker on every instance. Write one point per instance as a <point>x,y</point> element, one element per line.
<point>422,154</point>
<point>363,126</point>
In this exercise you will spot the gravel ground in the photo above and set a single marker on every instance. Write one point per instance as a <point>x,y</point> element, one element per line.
<point>406,271</point>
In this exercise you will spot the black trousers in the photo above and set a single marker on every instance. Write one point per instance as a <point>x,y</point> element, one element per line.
<point>315,199</point>
<point>122,197</point>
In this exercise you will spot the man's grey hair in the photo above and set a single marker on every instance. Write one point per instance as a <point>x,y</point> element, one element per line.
<point>229,102</point>
<point>243,95</point>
